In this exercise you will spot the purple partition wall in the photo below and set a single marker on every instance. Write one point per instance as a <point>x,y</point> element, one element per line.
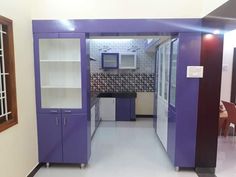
<point>183,119</point>
<point>118,26</point>
<point>183,131</point>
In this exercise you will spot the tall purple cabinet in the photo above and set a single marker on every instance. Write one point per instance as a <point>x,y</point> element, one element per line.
<point>182,105</point>
<point>62,92</point>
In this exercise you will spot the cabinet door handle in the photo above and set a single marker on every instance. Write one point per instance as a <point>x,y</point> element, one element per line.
<point>53,111</point>
<point>64,121</point>
<point>57,121</point>
<point>67,111</point>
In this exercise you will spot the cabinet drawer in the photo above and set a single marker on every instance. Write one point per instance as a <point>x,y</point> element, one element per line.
<point>71,111</point>
<point>49,111</point>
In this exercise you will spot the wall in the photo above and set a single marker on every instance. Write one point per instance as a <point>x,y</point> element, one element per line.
<point>117,9</point>
<point>18,145</point>
<point>229,44</point>
<point>210,5</point>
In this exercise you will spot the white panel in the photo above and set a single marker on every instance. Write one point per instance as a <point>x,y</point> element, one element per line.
<point>108,108</point>
<point>93,120</point>
<point>61,98</point>
<point>60,49</point>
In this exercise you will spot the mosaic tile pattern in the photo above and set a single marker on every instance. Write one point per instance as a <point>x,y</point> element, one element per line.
<point>122,82</point>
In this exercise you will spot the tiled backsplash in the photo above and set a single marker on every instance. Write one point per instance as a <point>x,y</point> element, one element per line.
<point>123,82</point>
<point>145,61</point>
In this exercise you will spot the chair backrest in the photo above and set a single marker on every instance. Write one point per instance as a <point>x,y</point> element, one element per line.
<point>231,110</point>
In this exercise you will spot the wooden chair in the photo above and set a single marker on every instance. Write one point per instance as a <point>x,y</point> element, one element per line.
<point>231,109</point>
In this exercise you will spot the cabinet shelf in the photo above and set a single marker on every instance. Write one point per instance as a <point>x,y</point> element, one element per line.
<point>50,61</point>
<point>61,87</point>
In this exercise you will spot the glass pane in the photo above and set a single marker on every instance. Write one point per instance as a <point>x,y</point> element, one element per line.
<point>110,60</point>
<point>160,77</point>
<point>167,62</point>
<point>156,73</point>
<point>60,73</point>
<point>127,60</point>
<point>2,119</point>
<point>173,72</point>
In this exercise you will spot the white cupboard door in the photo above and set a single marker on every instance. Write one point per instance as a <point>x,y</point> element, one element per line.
<point>92,120</point>
<point>108,109</point>
<point>163,92</point>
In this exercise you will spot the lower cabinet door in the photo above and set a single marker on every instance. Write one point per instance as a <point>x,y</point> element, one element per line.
<point>123,109</point>
<point>93,121</point>
<point>74,138</point>
<point>108,109</point>
<point>49,138</point>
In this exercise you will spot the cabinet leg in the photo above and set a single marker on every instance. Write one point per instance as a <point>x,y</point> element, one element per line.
<point>177,169</point>
<point>47,165</point>
<point>82,165</point>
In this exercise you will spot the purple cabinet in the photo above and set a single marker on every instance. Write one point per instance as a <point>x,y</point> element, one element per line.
<point>49,138</point>
<point>74,138</point>
<point>182,104</point>
<point>125,109</point>
<point>62,92</point>
<point>62,138</point>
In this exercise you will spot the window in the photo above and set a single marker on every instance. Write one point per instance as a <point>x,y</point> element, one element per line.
<point>8,104</point>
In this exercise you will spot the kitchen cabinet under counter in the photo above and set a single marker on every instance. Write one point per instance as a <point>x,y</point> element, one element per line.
<point>117,106</point>
<point>95,117</point>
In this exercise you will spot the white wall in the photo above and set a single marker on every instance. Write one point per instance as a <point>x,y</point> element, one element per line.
<point>229,44</point>
<point>144,103</point>
<point>18,144</point>
<point>210,5</point>
<point>107,9</point>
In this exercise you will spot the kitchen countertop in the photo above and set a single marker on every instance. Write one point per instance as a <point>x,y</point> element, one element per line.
<point>118,94</point>
<point>96,95</point>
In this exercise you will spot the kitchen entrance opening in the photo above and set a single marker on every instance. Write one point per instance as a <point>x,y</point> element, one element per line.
<point>133,84</point>
<point>123,71</point>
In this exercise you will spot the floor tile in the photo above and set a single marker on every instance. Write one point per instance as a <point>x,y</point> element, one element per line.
<point>122,149</point>
<point>226,157</point>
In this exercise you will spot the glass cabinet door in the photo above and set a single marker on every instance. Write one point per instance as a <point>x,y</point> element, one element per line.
<point>60,72</point>
<point>163,90</point>
<point>174,53</point>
